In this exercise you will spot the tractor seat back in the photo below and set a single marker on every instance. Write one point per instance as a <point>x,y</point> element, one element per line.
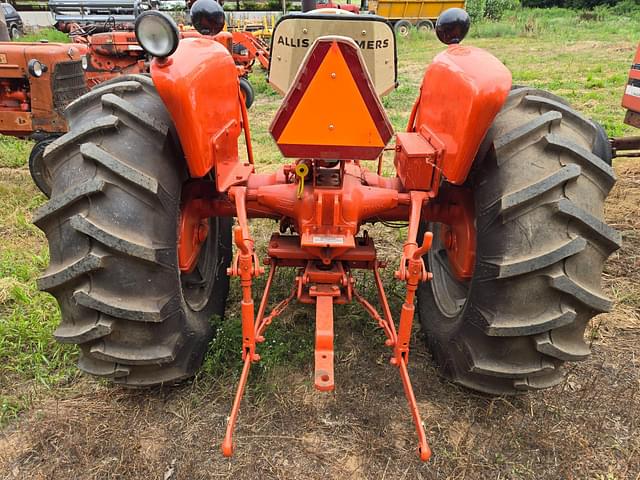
<point>294,34</point>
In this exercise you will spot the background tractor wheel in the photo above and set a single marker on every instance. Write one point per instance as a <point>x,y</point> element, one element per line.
<point>39,172</point>
<point>539,193</point>
<point>247,92</point>
<point>425,26</point>
<point>112,225</point>
<point>402,28</point>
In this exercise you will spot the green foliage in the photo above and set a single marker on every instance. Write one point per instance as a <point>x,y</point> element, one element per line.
<point>268,6</point>
<point>29,318</point>
<point>289,340</point>
<point>495,9</point>
<point>489,9</point>
<point>28,350</point>
<point>13,151</point>
<point>563,23</point>
<point>48,34</point>
<point>628,5</point>
<point>476,9</point>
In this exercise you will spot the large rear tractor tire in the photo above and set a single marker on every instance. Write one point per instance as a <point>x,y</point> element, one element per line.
<point>39,172</point>
<point>112,226</point>
<point>539,187</point>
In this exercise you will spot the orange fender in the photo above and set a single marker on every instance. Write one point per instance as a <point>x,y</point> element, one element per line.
<point>462,91</point>
<point>199,86</point>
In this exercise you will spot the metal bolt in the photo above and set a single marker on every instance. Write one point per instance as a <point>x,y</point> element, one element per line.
<point>304,30</point>
<point>331,127</point>
<point>333,74</point>
<point>364,33</point>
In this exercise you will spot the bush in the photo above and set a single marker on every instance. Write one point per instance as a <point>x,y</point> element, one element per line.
<point>495,9</point>
<point>626,7</point>
<point>476,9</point>
<point>630,5</point>
<point>490,9</point>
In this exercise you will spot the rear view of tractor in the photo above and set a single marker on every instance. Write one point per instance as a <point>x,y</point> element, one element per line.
<point>501,188</point>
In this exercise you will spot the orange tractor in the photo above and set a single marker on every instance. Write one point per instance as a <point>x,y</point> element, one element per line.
<point>39,80</point>
<point>501,189</point>
<point>630,146</point>
<point>247,48</point>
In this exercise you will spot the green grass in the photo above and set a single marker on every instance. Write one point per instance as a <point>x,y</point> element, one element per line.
<point>584,61</point>
<point>29,357</point>
<point>49,34</point>
<point>14,152</point>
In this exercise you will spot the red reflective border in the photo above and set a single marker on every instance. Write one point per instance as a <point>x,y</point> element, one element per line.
<point>363,83</point>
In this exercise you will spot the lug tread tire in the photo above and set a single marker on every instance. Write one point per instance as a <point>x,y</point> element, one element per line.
<point>112,230</point>
<point>541,246</point>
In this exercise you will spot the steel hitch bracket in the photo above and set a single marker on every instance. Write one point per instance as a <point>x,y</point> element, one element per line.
<point>324,285</point>
<point>412,271</point>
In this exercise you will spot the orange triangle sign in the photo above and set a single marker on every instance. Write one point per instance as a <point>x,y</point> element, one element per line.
<point>331,110</point>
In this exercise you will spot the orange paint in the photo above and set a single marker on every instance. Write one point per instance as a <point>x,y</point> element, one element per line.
<point>199,86</point>
<point>463,90</point>
<point>631,98</point>
<point>349,124</point>
<point>332,113</point>
<point>331,110</point>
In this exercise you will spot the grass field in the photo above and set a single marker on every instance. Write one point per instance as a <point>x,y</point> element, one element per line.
<point>56,423</point>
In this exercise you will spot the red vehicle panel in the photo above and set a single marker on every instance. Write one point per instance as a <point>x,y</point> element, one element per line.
<point>199,86</point>
<point>477,83</point>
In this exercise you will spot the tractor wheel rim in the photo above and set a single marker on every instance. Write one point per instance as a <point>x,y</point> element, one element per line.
<point>450,294</point>
<point>197,285</point>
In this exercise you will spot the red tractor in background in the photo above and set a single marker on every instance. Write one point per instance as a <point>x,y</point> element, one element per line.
<point>501,189</point>
<point>40,79</point>
<point>37,82</point>
<point>112,50</point>
<point>247,48</point>
<point>630,146</point>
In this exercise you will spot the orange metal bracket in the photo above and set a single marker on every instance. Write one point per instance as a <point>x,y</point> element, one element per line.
<point>259,327</point>
<point>386,323</point>
<point>325,284</point>
<point>324,295</point>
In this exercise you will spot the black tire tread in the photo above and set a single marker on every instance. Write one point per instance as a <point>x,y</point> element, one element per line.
<point>551,211</point>
<point>91,151</point>
<point>128,308</point>
<point>112,226</point>
<point>84,331</point>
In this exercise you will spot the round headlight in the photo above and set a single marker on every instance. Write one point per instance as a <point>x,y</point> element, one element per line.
<point>157,33</point>
<point>85,62</point>
<point>36,68</point>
